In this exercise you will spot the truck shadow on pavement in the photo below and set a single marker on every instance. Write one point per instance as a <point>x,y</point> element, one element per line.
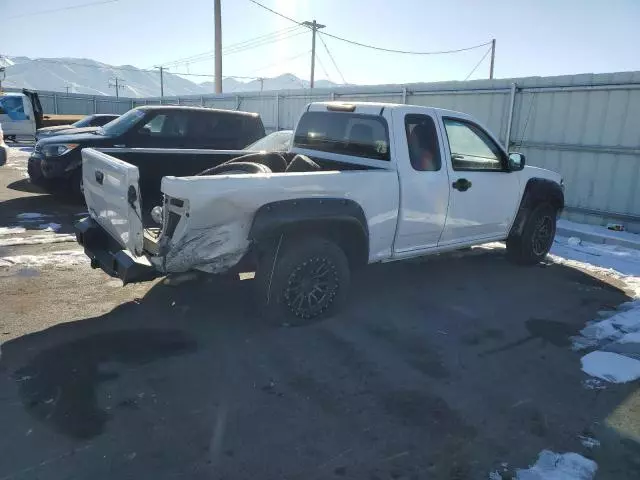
<point>436,369</point>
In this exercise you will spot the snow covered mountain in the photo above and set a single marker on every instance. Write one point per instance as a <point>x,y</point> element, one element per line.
<point>286,81</point>
<point>83,75</point>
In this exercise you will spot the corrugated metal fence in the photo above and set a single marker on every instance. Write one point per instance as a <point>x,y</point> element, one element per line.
<point>587,127</point>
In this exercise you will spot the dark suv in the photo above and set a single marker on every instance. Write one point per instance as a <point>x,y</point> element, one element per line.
<point>141,132</point>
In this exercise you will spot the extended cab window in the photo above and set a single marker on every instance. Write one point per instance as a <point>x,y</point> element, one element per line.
<point>345,133</point>
<point>424,151</point>
<point>471,148</point>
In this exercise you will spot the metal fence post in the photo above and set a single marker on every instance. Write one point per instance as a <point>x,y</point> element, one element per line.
<point>277,112</point>
<point>512,103</point>
<point>133,104</point>
<point>55,103</point>
<point>202,100</point>
<point>404,95</point>
<point>333,96</point>
<point>95,105</point>
<point>238,100</point>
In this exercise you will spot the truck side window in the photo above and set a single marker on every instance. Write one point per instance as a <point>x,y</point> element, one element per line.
<point>471,148</point>
<point>170,125</point>
<point>216,130</point>
<point>424,151</point>
<point>12,105</point>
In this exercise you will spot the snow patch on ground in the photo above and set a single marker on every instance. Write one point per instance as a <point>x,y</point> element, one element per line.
<point>588,442</point>
<point>630,338</point>
<point>621,326</point>
<point>17,160</point>
<point>36,240</point>
<point>611,366</point>
<point>50,227</point>
<point>12,230</point>
<point>559,466</point>
<point>598,231</point>
<point>61,258</point>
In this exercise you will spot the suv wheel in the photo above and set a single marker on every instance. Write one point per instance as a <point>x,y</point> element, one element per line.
<point>76,185</point>
<point>537,237</point>
<point>303,280</point>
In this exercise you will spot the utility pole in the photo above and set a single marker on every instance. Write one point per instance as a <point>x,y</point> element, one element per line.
<point>117,84</point>
<point>314,26</point>
<point>67,87</point>
<point>493,57</point>
<point>261,79</point>
<point>218,46</point>
<point>161,84</point>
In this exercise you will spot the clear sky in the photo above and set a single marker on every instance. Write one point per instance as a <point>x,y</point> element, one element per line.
<point>543,37</point>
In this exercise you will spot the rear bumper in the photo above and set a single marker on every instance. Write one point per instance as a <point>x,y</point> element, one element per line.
<point>105,253</point>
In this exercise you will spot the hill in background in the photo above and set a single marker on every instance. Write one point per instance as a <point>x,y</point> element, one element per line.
<point>87,76</point>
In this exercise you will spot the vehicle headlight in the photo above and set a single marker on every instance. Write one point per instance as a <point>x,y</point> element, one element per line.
<point>58,149</point>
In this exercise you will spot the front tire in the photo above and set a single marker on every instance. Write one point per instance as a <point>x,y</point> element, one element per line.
<point>537,237</point>
<point>302,279</point>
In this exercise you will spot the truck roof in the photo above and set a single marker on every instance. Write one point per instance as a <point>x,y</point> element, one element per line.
<point>198,109</point>
<point>375,108</point>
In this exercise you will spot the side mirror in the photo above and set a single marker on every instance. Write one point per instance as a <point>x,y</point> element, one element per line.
<point>516,162</point>
<point>144,131</point>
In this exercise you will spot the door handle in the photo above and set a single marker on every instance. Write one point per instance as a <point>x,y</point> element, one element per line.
<point>461,184</point>
<point>99,177</point>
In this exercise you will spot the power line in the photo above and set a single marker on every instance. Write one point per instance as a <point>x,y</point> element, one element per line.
<point>477,64</point>
<point>70,7</point>
<point>277,13</point>
<point>242,43</point>
<point>283,61</point>
<point>332,60</point>
<point>256,42</point>
<point>210,75</point>
<point>260,44</point>
<point>382,49</point>
<point>323,69</point>
<point>406,52</point>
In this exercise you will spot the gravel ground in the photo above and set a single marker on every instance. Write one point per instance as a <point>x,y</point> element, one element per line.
<point>439,369</point>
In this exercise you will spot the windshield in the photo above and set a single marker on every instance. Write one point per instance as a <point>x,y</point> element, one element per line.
<point>123,123</point>
<point>274,142</point>
<point>83,122</point>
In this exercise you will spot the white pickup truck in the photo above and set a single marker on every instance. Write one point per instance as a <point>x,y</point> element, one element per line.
<point>362,183</point>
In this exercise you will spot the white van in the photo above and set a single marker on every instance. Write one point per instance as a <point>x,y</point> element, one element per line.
<point>20,114</point>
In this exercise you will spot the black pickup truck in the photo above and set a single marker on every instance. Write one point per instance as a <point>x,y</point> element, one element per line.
<point>159,140</point>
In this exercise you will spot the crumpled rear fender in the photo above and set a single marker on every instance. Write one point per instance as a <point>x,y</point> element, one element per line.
<point>213,249</point>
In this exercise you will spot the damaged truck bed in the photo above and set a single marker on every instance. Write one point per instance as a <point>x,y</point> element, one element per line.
<point>208,220</point>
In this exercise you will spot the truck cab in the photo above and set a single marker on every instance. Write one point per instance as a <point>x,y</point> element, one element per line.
<point>20,114</point>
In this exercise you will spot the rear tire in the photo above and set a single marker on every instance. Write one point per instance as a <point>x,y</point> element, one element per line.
<point>536,239</point>
<point>302,280</point>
